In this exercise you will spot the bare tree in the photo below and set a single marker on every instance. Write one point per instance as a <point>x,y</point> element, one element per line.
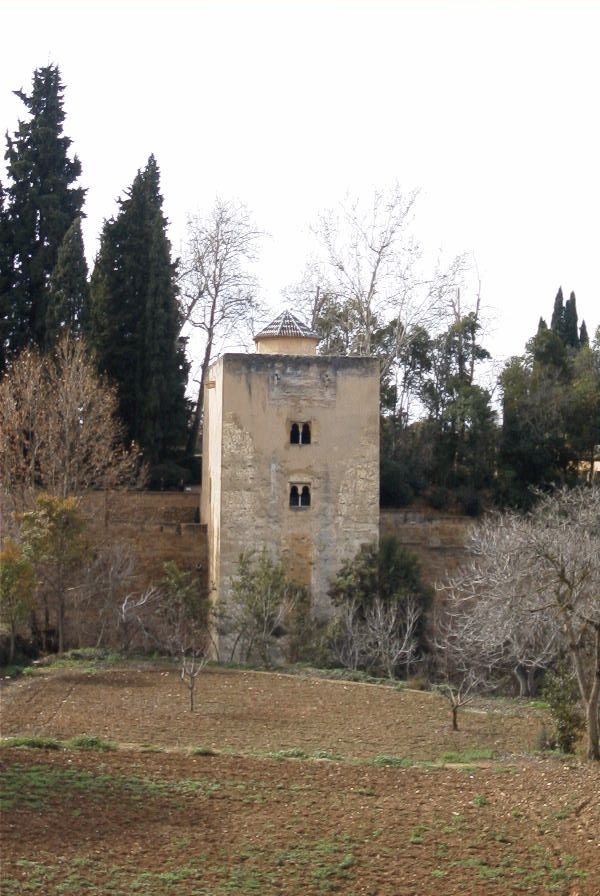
<point>465,660</point>
<point>348,639</point>
<point>171,616</point>
<point>108,576</point>
<point>364,289</point>
<point>391,629</point>
<point>60,428</point>
<point>561,540</point>
<point>547,567</point>
<point>132,612</point>
<point>516,640</point>
<point>370,258</point>
<point>379,636</point>
<point>217,284</point>
<point>459,691</point>
<point>191,665</point>
<point>184,626</point>
<point>23,407</point>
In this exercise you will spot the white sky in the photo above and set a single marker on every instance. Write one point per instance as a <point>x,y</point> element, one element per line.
<point>490,108</point>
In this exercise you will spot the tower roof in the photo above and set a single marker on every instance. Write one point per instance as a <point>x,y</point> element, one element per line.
<point>287,325</point>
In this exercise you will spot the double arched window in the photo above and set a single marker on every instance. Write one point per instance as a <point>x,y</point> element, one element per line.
<point>300,434</point>
<point>299,496</point>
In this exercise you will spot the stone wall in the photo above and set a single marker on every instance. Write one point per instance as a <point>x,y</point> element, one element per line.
<point>437,539</point>
<point>163,526</point>
<point>160,526</point>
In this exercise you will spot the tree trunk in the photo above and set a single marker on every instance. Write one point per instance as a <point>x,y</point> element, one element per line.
<point>46,628</point>
<point>61,624</point>
<point>531,683</point>
<point>192,445</point>
<point>455,718</point>
<point>593,732</point>
<point>522,679</point>
<point>11,646</point>
<point>589,699</point>
<point>593,705</point>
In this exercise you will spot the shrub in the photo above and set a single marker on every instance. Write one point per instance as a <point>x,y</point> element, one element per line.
<point>469,501</point>
<point>560,692</point>
<point>439,498</point>
<point>394,487</point>
<point>264,598</point>
<point>168,475</point>
<point>418,682</point>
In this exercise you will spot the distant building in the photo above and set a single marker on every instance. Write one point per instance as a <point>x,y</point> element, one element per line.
<point>290,458</point>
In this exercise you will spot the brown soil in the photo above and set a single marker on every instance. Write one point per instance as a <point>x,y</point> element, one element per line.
<point>171,822</point>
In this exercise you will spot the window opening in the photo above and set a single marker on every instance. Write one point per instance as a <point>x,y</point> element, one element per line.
<point>300,434</point>
<point>299,496</point>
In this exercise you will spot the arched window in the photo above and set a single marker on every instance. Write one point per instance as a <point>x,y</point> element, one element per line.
<point>305,435</point>
<point>299,496</point>
<point>295,434</point>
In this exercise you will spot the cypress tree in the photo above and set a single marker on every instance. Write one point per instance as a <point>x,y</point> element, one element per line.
<point>570,335</point>
<point>68,293</point>
<point>134,319</point>
<point>42,203</point>
<point>584,339</point>
<point>558,313</point>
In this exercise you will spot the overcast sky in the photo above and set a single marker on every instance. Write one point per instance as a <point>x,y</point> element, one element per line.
<point>490,108</point>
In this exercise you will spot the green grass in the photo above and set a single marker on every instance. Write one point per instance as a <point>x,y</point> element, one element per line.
<point>314,866</point>
<point>384,761</point>
<point>14,670</point>
<point>89,742</point>
<point>47,788</point>
<point>89,876</point>
<point>81,742</point>
<point>291,753</point>
<point>32,743</point>
<point>327,754</point>
<point>417,835</point>
<point>203,751</point>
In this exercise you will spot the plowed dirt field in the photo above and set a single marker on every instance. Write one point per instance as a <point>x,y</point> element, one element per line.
<point>314,787</point>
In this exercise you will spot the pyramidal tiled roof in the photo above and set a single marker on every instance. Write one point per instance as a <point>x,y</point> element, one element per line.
<point>287,325</point>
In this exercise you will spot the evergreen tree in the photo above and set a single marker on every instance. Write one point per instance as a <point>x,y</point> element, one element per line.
<point>570,334</point>
<point>459,412</point>
<point>42,203</point>
<point>558,313</point>
<point>551,408</point>
<point>134,319</point>
<point>68,293</point>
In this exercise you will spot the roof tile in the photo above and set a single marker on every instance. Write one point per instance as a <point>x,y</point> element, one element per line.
<point>287,325</point>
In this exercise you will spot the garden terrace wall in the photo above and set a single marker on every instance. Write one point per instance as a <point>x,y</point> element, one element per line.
<point>438,540</point>
<point>159,526</point>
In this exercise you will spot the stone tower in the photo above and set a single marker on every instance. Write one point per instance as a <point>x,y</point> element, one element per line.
<point>290,458</point>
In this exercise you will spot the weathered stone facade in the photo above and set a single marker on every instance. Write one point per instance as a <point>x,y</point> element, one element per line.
<point>310,494</point>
